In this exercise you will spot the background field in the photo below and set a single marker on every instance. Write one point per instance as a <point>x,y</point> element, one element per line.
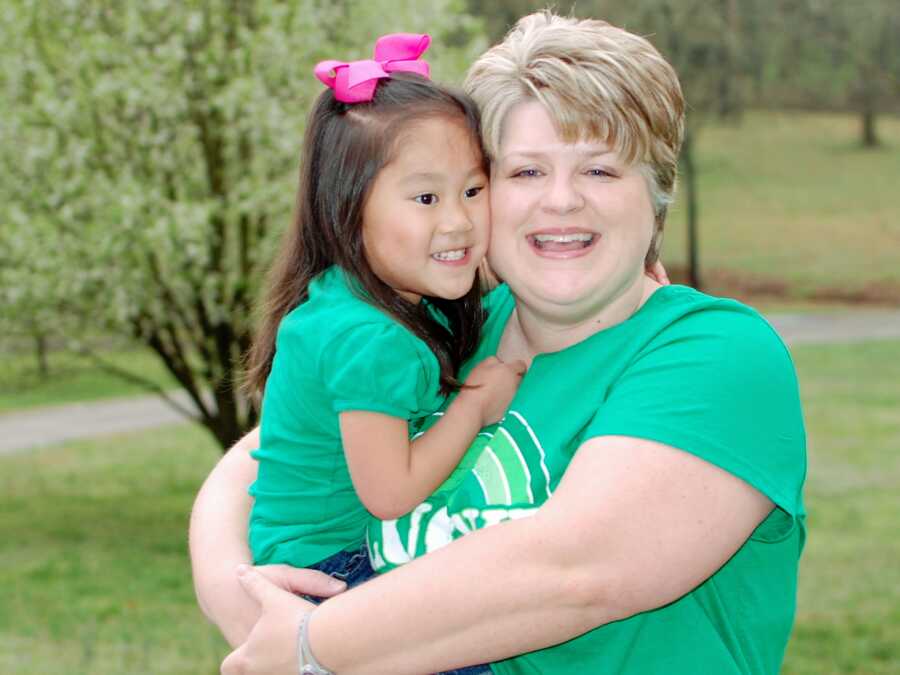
<point>73,377</point>
<point>96,579</point>
<point>791,206</point>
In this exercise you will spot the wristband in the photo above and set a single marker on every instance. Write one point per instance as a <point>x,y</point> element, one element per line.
<point>308,663</point>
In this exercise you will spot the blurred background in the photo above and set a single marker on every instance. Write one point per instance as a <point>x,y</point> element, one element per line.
<point>148,161</point>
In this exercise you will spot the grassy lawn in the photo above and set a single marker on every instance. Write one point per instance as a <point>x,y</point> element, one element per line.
<point>95,573</point>
<point>93,563</point>
<point>791,197</point>
<point>73,378</point>
<point>849,615</point>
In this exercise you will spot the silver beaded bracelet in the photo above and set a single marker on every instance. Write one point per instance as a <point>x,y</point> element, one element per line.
<point>308,663</point>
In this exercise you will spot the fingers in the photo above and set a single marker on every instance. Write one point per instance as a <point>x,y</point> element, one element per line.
<point>234,663</point>
<point>658,273</point>
<point>312,582</point>
<point>302,581</point>
<point>257,585</point>
<point>518,366</point>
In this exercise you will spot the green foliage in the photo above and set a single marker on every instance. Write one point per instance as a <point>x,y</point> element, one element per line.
<point>150,158</point>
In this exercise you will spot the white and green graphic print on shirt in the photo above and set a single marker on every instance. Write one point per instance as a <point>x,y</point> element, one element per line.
<point>504,473</point>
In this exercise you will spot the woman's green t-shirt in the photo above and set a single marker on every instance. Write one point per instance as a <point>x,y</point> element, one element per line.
<point>706,375</point>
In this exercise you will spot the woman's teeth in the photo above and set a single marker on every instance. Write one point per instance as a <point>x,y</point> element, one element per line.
<point>575,240</point>
<point>458,254</point>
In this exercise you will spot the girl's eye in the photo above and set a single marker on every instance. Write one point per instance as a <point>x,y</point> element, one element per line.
<point>473,191</point>
<point>527,173</point>
<point>426,199</point>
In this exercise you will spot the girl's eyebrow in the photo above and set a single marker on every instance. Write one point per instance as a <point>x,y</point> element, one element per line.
<point>432,175</point>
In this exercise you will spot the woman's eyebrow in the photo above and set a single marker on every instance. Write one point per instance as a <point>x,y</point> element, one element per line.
<point>599,151</point>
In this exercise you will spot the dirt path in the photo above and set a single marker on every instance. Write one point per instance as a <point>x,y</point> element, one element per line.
<point>43,426</point>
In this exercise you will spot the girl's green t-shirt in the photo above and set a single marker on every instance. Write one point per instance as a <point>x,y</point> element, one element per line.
<point>702,374</point>
<point>334,353</point>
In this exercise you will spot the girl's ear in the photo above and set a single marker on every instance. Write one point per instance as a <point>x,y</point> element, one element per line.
<point>489,280</point>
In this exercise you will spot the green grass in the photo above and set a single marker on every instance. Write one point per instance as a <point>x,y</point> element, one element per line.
<point>73,378</point>
<point>849,607</point>
<point>93,560</point>
<point>792,197</point>
<point>95,575</point>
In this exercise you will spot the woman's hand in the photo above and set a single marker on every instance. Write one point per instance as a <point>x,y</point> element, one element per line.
<point>271,648</point>
<point>302,581</point>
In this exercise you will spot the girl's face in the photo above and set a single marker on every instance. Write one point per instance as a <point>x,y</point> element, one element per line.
<point>426,221</point>
<point>572,222</point>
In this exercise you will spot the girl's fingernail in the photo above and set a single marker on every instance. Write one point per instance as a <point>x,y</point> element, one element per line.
<point>242,570</point>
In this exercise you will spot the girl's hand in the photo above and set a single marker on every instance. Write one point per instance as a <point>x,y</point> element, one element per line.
<point>491,386</point>
<point>271,648</point>
<point>658,273</point>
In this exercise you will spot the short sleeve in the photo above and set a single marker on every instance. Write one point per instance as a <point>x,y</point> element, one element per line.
<point>381,367</point>
<point>721,385</point>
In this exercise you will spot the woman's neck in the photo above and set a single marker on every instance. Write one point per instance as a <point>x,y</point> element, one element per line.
<point>530,332</point>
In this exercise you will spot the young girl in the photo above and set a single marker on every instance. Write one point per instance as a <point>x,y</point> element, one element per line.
<point>374,304</point>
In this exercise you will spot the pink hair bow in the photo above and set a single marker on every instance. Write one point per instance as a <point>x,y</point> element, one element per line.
<point>355,82</point>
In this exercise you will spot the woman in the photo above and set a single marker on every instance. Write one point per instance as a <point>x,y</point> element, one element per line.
<point>643,492</point>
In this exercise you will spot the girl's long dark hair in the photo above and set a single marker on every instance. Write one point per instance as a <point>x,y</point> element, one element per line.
<point>344,148</point>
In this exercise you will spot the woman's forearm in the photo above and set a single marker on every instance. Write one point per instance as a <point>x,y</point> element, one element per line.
<point>487,597</point>
<point>218,541</point>
<point>633,526</point>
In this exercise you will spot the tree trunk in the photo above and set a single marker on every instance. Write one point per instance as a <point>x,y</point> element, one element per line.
<point>40,352</point>
<point>689,173</point>
<point>869,133</point>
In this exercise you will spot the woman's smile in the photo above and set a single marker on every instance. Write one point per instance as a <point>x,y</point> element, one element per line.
<point>562,242</point>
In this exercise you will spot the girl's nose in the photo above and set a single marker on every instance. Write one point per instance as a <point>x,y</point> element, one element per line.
<point>456,219</point>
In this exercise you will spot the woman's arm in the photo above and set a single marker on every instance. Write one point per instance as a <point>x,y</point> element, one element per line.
<point>633,525</point>
<point>218,544</point>
<point>392,474</point>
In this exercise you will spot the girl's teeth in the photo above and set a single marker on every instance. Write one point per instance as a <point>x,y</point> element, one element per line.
<point>459,254</point>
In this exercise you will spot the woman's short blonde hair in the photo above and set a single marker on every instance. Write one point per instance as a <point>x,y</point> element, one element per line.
<point>596,81</point>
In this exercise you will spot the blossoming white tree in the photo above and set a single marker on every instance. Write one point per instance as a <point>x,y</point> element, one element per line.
<point>149,153</point>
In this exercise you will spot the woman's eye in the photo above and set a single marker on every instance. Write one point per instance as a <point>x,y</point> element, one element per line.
<point>527,173</point>
<point>602,173</point>
<point>426,199</point>
<point>473,191</point>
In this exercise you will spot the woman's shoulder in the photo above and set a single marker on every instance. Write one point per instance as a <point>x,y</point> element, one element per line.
<point>681,310</point>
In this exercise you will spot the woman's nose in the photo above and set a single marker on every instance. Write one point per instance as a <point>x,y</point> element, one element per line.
<point>562,196</point>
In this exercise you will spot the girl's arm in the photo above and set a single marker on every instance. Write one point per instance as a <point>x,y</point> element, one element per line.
<point>218,544</point>
<point>633,525</point>
<point>391,474</point>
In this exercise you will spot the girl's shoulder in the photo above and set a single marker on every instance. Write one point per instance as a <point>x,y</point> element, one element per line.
<point>334,306</point>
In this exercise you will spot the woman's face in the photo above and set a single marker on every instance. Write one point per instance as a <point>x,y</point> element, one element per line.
<point>571,223</point>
